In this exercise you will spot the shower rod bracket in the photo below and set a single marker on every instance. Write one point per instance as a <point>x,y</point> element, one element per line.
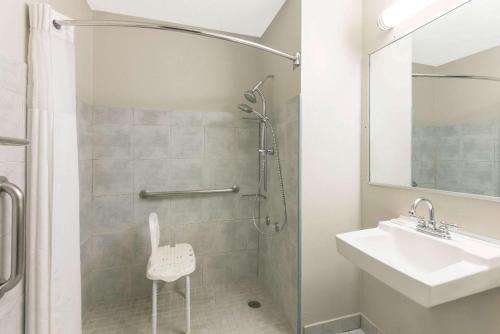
<point>58,24</point>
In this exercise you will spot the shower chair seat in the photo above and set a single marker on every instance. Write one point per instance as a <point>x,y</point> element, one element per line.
<point>169,263</point>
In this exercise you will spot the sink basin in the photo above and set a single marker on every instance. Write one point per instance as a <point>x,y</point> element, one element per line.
<point>427,269</point>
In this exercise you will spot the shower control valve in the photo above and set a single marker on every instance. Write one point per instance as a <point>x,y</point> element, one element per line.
<point>269,151</point>
<point>268,220</point>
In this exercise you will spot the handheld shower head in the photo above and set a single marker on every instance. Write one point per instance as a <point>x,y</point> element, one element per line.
<point>249,110</point>
<point>246,108</point>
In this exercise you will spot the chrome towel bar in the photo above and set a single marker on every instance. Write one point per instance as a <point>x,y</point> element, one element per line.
<point>9,141</point>
<point>164,194</point>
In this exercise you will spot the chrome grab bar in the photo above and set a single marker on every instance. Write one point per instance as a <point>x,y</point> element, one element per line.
<point>17,264</point>
<point>9,141</point>
<point>164,194</point>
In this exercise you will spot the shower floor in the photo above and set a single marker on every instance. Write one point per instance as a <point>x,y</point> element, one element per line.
<point>214,310</point>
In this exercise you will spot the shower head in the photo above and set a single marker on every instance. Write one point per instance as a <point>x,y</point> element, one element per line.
<point>249,110</point>
<point>250,96</point>
<point>246,108</point>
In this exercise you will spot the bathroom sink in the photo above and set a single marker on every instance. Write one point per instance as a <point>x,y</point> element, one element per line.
<point>427,269</point>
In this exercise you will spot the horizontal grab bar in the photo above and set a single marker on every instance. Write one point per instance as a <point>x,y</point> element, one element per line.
<point>163,194</point>
<point>13,141</point>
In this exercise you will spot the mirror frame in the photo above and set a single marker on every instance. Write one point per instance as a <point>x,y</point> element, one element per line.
<point>386,185</point>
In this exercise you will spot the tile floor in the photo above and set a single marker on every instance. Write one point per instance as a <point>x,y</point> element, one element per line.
<point>215,310</point>
<point>356,331</point>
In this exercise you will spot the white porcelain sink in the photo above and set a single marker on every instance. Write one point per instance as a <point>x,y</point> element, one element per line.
<point>427,269</point>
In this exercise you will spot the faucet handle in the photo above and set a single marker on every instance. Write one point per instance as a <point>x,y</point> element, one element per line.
<point>420,221</point>
<point>447,227</point>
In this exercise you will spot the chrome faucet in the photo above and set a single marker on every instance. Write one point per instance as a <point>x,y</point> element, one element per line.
<point>431,223</point>
<point>430,226</point>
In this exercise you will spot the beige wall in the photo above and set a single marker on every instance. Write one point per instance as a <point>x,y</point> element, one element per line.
<point>460,101</point>
<point>168,70</point>
<point>330,134</point>
<point>14,33</point>
<point>391,311</point>
<point>283,34</point>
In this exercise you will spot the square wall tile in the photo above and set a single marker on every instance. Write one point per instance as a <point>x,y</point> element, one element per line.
<point>478,178</point>
<point>151,175</point>
<point>185,118</point>
<point>85,217</point>
<point>478,148</point>
<point>109,284</point>
<point>111,142</point>
<point>219,119</point>
<point>449,149</point>
<point>85,139</point>
<point>85,176</point>
<point>150,142</point>
<point>248,143</point>
<point>112,249</point>
<point>230,236</point>
<point>113,213</point>
<point>151,117</point>
<point>185,210</point>
<point>112,177</point>
<point>218,207</point>
<point>186,142</point>
<point>448,175</point>
<point>219,172</point>
<point>109,115</point>
<point>185,173</point>
<point>220,143</point>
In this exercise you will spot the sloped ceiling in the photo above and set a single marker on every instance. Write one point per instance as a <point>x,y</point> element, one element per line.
<point>250,17</point>
<point>470,29</point>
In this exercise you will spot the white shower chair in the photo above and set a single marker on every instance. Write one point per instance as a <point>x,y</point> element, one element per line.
<point>168,264</point>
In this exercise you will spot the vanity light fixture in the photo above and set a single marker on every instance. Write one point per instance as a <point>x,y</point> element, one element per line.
<point>400,11</point>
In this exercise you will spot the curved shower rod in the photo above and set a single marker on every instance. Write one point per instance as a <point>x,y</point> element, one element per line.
<point>454,76</point>
<point>145,25</point>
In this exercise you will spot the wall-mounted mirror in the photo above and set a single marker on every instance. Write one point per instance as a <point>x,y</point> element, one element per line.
<point>435,104</point>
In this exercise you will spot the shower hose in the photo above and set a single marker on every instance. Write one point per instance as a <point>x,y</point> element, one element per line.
<point>278,227</point>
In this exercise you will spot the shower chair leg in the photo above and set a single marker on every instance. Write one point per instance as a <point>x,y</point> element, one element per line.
<point>188,305</point>
<point>154,323</point>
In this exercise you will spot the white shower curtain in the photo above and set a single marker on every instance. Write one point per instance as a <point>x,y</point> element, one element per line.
<point>53,300</point>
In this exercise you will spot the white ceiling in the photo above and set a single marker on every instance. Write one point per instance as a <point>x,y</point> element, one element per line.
<point>250,17</point>
<point>470,29</point>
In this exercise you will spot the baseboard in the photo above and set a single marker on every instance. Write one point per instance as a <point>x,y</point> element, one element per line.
<point>343,324</point>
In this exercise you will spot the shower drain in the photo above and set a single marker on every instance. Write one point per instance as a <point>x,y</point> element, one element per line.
<point>254,304</point>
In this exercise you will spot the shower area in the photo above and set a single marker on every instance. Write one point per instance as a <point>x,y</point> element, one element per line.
<point>205,134</point>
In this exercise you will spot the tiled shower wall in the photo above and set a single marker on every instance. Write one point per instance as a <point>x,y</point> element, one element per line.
<point>135,149</point>
<point>462,157</point>
<point>278,261</point>
<point>84,126</point>
<point>12,165</point>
